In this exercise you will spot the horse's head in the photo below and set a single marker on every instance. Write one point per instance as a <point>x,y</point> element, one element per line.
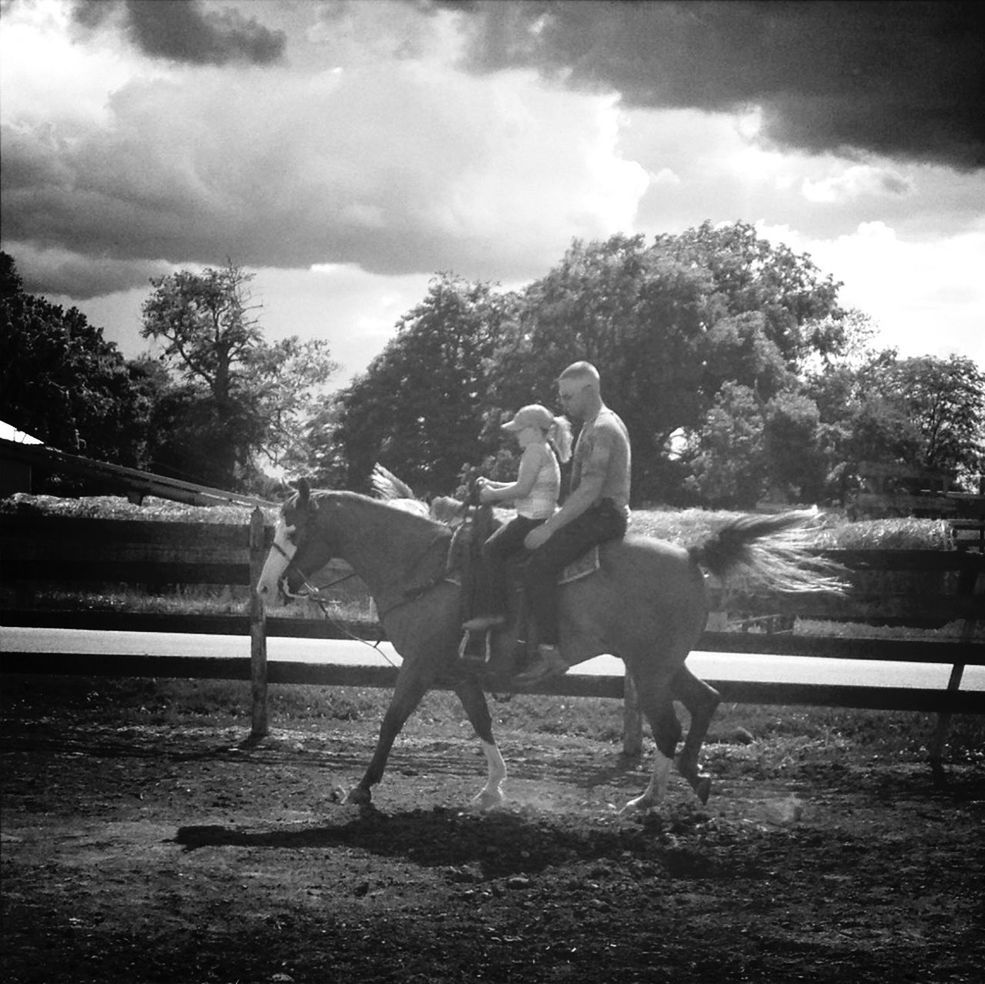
<point>299,549</point>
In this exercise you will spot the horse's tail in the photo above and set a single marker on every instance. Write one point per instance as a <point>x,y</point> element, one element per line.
<point>778,551</point>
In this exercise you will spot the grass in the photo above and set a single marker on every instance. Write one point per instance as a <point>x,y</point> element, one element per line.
<point>116,507</point>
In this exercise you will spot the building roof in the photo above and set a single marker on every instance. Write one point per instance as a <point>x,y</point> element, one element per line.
<point>8,432</point>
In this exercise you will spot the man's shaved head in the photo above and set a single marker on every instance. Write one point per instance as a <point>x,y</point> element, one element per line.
<point>583,372</point>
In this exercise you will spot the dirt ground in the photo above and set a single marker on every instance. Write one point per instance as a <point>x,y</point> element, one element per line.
<point>168,853</point>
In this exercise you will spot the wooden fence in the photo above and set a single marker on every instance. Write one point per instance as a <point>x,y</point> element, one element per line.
<point>943,586</point>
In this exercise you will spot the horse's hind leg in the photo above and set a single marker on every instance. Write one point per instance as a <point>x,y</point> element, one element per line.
<point>474,701</point>
<point>701,700</point>
<point>655,702</point>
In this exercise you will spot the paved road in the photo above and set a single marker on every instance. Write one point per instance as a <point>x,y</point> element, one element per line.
<point>711,666</point>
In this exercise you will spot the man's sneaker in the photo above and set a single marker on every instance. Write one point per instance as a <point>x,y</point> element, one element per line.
<point>547,664</point>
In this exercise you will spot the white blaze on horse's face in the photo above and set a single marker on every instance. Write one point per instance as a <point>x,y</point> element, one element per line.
<point>280,556</point>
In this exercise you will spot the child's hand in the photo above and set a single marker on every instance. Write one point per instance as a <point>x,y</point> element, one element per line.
<point>486,494</point>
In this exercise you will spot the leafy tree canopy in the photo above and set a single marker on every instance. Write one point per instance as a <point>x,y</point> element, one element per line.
<point>668,324</point>
<point>61,381</point>
<point>421,405</point>
<point>751,274</point>
<point>731,350</point>
<point>922,411</point>
<point>238,402</point>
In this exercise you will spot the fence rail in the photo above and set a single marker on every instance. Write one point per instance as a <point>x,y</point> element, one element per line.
<point>775,644</point>
<point>37,549</point>
<point>571,685</point>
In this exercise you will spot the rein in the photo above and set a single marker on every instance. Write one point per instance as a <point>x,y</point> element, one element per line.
<point>311,592</point>
<point>412,594</point>
<point>305,583</point>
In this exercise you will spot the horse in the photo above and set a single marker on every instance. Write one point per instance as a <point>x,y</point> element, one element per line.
<point>647,604</point>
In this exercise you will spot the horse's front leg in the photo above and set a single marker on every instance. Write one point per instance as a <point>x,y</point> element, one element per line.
<point>473,699</point>
<point>413,682</point>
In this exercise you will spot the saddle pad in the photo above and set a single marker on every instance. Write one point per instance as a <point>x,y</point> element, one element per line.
<point>587,564</point>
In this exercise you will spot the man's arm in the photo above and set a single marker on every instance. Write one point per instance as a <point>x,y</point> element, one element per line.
<point>593,474</point>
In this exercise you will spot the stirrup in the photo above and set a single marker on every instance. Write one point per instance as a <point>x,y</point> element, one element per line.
<point>476,647</point>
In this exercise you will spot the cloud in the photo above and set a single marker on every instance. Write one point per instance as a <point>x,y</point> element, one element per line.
<point>185,31</point>
<point>856,182</point>
<point>899,79</point>
<point>886,275</point>
<point>399,169</point>
<point>77,275</point>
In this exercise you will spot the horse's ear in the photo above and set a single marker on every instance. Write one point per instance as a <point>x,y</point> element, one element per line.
<point>304,491</point>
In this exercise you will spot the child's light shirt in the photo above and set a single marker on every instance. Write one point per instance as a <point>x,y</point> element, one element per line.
<point>542,500</point>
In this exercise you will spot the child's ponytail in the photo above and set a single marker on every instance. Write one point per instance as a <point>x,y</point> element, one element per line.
<point>560,436</point>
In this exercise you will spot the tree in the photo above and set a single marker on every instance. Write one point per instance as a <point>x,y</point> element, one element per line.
<point>728,466</point>
<point>61,381</point>
<point>237,401</point>
<point>636,315</point>
<point>799,305</point>
<point>11,285</point>
<point>922,411</point>
<point>420,408</point>
<point>793,439</point>
<point>678,329</point>
<point>205,324</point>
<point>738,349</point>
<point>946,399</point>
<point>669,325</point>
<point>290,382</point>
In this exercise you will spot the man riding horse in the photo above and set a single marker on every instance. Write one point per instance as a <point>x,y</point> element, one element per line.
<point>646,604</point>
<point>596,510</point>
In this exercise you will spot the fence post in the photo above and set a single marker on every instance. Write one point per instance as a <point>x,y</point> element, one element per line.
<point>632,720</point>
<point>258,632</point>
<point>943,723</point>
<point>967,585</point>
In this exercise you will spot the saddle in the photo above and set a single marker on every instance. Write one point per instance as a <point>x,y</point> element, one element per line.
<point>499,649</point>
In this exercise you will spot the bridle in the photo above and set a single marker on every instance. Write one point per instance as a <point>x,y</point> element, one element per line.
<point>310,591</point>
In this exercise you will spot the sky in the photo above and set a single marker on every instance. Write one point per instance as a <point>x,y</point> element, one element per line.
<point>346,152</point>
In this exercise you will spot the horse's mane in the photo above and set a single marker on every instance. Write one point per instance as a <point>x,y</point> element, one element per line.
<point>387,486</point>
<point>412,516</point>
<point>394,491</point>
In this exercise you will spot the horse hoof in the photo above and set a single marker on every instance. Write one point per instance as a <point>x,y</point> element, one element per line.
<point>486,801</point>
<point>639,805</point>
<point>359,796</point>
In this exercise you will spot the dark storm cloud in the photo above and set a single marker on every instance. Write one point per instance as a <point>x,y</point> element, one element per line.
<point>79,276</point>
<point>903,79</point>
<point>184,31</point>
